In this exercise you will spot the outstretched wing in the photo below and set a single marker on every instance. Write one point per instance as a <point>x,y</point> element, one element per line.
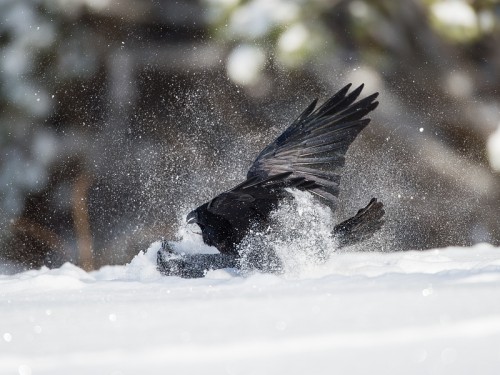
<point>313,147</point>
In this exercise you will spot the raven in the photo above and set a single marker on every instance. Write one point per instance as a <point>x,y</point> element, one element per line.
<point>308,156</point>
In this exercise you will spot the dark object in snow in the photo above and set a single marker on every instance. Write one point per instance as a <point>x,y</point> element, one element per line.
<point>192,265</point>
<point>309,156</point>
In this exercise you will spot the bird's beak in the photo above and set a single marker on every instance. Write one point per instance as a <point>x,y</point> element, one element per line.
<point>192,218</point>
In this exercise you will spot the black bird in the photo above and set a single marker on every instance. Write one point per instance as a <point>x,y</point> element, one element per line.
<point>309,156</point>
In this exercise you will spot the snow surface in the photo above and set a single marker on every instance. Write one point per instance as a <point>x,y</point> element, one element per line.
<point>429,312</point>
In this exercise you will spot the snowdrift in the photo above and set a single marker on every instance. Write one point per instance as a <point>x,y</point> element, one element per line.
<point>428,312</point>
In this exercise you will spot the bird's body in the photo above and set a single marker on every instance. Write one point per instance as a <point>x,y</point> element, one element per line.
<point>309,156</point>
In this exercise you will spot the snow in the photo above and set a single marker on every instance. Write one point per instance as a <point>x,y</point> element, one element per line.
<point>417,312</point>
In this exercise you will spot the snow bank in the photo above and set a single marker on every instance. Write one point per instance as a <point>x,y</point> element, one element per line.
<point>435,312</point>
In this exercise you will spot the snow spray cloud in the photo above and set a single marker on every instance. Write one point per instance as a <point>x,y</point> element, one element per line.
<point>299,234</point>
<point>298,238</point>
<point>207,147</point>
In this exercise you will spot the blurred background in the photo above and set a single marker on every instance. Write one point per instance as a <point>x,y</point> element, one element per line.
<point>117,118</point>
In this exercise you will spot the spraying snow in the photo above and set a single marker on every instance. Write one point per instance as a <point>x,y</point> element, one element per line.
<point>300,233</point>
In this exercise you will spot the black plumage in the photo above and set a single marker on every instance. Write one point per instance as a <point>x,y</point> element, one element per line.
<point>308,155</point>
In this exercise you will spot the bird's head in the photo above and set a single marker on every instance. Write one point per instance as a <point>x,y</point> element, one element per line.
<point>200,216</point>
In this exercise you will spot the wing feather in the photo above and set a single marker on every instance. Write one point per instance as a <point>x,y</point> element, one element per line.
<point>317,140</point>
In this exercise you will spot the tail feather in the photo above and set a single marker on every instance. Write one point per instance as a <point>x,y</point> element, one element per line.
<point>361,226</point>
